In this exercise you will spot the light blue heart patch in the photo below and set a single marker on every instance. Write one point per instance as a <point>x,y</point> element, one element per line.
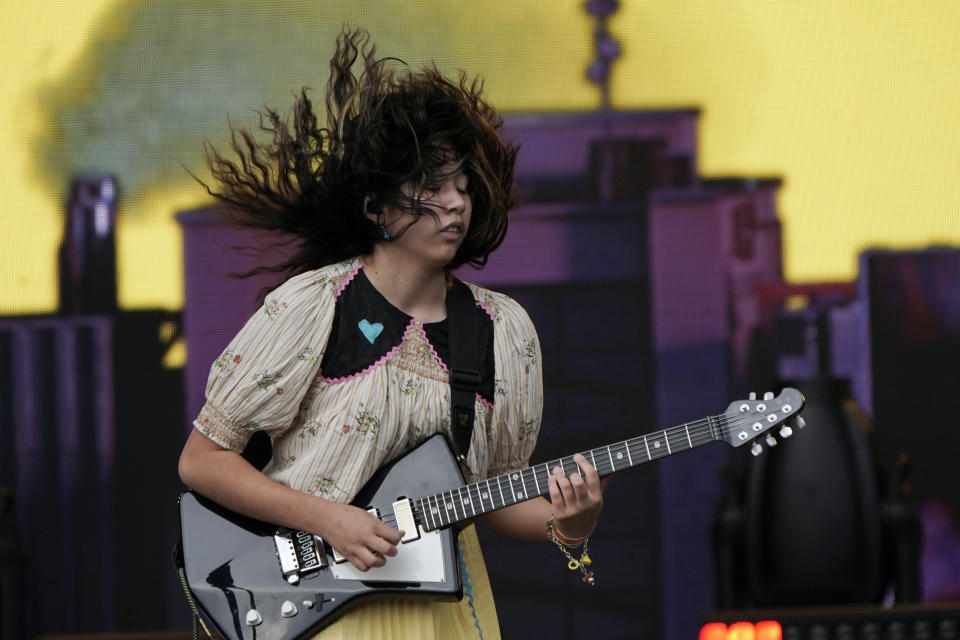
<point>370,331</point>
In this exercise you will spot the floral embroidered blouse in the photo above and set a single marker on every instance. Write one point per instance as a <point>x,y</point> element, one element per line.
<point>343,382</point>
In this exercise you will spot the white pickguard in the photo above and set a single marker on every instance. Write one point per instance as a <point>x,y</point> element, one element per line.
<point>416,561</point>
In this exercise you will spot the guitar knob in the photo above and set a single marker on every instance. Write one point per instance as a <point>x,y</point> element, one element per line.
<point>768,395</point>
<point>752,396</point>
<point>288,609</point>
<point>786,431</point>
<point>801,423</point>
<point>756,449</point>
<point>253,618</point>
<point>771,441</point>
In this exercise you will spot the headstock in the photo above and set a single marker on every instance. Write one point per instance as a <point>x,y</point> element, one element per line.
<point>746,420</point>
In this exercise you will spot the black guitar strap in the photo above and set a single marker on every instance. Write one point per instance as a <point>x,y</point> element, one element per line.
<point>464,365</point>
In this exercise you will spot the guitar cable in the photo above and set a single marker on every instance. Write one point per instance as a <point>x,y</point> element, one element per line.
<point>197,620</point>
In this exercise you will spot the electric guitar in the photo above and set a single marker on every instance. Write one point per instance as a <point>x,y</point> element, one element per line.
<point>253,580</point>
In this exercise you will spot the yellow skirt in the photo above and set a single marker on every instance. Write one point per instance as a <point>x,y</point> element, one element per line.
<point>474,617</point>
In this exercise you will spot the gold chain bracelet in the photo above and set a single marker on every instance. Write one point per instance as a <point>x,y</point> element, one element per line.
<point>565,544</point>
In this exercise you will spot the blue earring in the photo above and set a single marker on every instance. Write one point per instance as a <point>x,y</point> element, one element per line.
<point>383,232</point>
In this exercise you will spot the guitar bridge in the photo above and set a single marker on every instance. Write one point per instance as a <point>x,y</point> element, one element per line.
<point>299,552</point>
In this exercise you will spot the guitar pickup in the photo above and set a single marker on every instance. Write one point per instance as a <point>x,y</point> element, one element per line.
<point>406,521</point>
<point>299,552</point>
<point>336,554</point>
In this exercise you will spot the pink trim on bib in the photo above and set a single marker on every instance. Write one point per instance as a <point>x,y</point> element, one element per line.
<point>423,334</point>
<point>348,279</point>
<point>376,364</point>
<point>487,309</point>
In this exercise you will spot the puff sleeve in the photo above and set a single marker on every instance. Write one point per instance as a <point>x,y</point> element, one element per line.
<point>518,385</point>
<point>261,378</point>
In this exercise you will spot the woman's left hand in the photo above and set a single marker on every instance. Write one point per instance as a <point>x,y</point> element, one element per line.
<point>577,499</point>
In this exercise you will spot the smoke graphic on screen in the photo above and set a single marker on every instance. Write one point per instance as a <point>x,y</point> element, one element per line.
<point>155,78</point>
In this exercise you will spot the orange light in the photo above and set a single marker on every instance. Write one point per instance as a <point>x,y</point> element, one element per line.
<point>769,630</point>
<point>741,631</point>
<point>713,631</point>
<point>765,630</point>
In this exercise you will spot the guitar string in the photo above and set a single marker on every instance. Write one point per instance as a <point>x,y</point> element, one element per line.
<point>700,432</point>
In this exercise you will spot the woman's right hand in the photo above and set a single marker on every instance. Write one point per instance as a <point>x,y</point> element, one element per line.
<point>360,537</point>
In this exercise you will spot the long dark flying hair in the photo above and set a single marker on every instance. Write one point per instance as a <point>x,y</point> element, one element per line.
<point>388,128</point>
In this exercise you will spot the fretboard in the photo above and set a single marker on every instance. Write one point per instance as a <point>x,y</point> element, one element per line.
<point>462,503</point>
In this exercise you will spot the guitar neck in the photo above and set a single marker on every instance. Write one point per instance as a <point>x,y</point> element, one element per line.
<point>462,503</point>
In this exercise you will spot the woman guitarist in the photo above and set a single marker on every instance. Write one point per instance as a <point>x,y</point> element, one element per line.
<point>345,366</point>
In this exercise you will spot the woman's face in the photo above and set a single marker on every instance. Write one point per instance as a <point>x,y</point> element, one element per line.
<point>432,239</point>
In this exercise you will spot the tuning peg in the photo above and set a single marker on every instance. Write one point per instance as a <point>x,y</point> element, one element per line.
<point>768,395</point>
<point>752,396</point>
<point>786,431</point>
<point>756,449</point>
<point>771,441</point>
<point>801,423</point>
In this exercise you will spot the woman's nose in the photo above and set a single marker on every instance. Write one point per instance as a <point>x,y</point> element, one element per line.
<point>451,198</point>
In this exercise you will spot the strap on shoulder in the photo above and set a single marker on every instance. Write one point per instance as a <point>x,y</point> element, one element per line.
<point>464,365</point>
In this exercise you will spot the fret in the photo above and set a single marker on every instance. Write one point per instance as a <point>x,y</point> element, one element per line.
<point>536,481</point>
<point>618,459</point>
<point>434,515</point>
<point>466,502</point>
<point>593,460</point>
<point>489,495</point>
<point>516,492</point>
<point>436,508</point>
<point>666,436</point>
<point>418,512</point>
<point>473,490</point>
<point>613,466</point>
<point>458,501</point>
<point>455,501</point>
<point>469,501</point>
<point>448,504</point>
<point>645,444</point>
<point>480,492</point>
<point>684,438</point>
<point>425,512</point>
<point>523,486</point>
<point>503,501</point>
<point>513,494</point>
<point>563,468</point>
<point>546,478</point>
<point>629,459</point>
<point>523,481</point>
<point>712,421</point>
<point>657,444</point>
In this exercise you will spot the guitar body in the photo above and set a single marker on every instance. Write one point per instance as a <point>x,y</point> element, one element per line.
<point>233,569</point>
